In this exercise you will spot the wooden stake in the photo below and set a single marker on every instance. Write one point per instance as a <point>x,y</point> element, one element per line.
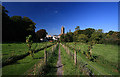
<point>52,48</point>
<point>75,57</point>
<point>45,56</point>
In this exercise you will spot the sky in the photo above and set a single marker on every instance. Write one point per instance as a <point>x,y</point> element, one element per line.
<point>53,15</point>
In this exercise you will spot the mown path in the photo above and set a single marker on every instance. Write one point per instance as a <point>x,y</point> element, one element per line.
<point>59,64</point>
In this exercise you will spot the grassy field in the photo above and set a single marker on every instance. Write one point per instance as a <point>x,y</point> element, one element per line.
<point>107,56</point>
<point>23,65</point>
<point>107,61</point>
<point>12,49</point>
<point>108,52</point>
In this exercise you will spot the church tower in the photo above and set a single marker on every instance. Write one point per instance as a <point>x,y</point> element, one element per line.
<point>62,30</point>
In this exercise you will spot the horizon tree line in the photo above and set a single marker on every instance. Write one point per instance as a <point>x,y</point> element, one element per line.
<point>91,35</point>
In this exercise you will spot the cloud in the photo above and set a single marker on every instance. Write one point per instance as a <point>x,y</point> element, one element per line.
<point>56,11</point>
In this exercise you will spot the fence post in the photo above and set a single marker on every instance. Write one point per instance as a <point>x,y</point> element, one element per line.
<point>68,51</point>
<point>52,48</point>
<point>75,57</point>
<point>90,52</point>
<point>45,56</point>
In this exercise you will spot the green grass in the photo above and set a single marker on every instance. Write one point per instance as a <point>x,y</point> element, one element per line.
<point>106,63</point>
<point>11,49</point>
<point>107,56</point>
<point>68,65</point>
<point>51,69</point>
<point>108,52</point>
<point>23,65</point>
<point>83,47</point>
<point>107,60</point>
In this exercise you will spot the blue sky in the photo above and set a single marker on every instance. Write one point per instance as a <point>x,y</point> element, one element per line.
<point>52,15</point>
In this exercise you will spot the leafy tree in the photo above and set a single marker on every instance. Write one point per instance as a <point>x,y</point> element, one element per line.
<point>75,37</point>
<point>76,33</point>
<point>62,38</point>
<point>77,28</point>
<point>16,28</point>
<point>6,28</point>
<point>82,38</point>
<point>100,31</point>
<point>41,34</point>
<point>97,36</point>
<point>110,32</point>
<point>88,32</point>
<point>118,35</point>
<point>68,37</point>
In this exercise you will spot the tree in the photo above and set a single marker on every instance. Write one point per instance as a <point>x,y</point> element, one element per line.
<point>16,28</point>
<point>76,33</point>
<point>110,32</point>
<point>6,28</point>
<point>22,27</point>
<point>68,37</point>
<point>97,36</point>
<point>88,32</point>
<point>29,44</point>
<point>82,38</point>
<point>41,34</point>
<point>62,38</point>
<point>77,28</point>
<point>118,35</point>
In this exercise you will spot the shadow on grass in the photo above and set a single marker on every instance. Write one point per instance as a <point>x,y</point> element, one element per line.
<point>4,54</point>
<point>21,63</point>
<point>14,59</point>
<point>39,58</point>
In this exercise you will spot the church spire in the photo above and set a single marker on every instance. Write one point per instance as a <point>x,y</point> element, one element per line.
<point>62,30</point>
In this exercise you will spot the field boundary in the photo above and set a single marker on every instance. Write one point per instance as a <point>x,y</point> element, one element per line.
<point>39,66</point>
<point>83,60</point>
<point>14,59</point>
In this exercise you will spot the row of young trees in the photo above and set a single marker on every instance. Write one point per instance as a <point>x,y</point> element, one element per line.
<point>16,28</point>
<point>91,35</point>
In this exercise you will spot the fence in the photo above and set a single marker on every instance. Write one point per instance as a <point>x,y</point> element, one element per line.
<point>78,60</point>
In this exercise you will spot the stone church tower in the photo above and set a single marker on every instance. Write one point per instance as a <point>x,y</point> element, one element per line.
<point>62,30</point>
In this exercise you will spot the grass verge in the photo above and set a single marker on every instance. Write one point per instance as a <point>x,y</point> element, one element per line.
<point>68,64</point>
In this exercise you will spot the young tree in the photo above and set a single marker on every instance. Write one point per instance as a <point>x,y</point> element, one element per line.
<point>29,44</point>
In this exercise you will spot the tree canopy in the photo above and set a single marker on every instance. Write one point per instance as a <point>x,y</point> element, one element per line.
<point>91,35</point>
<point>16,28</point>
<point>41,34</point>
